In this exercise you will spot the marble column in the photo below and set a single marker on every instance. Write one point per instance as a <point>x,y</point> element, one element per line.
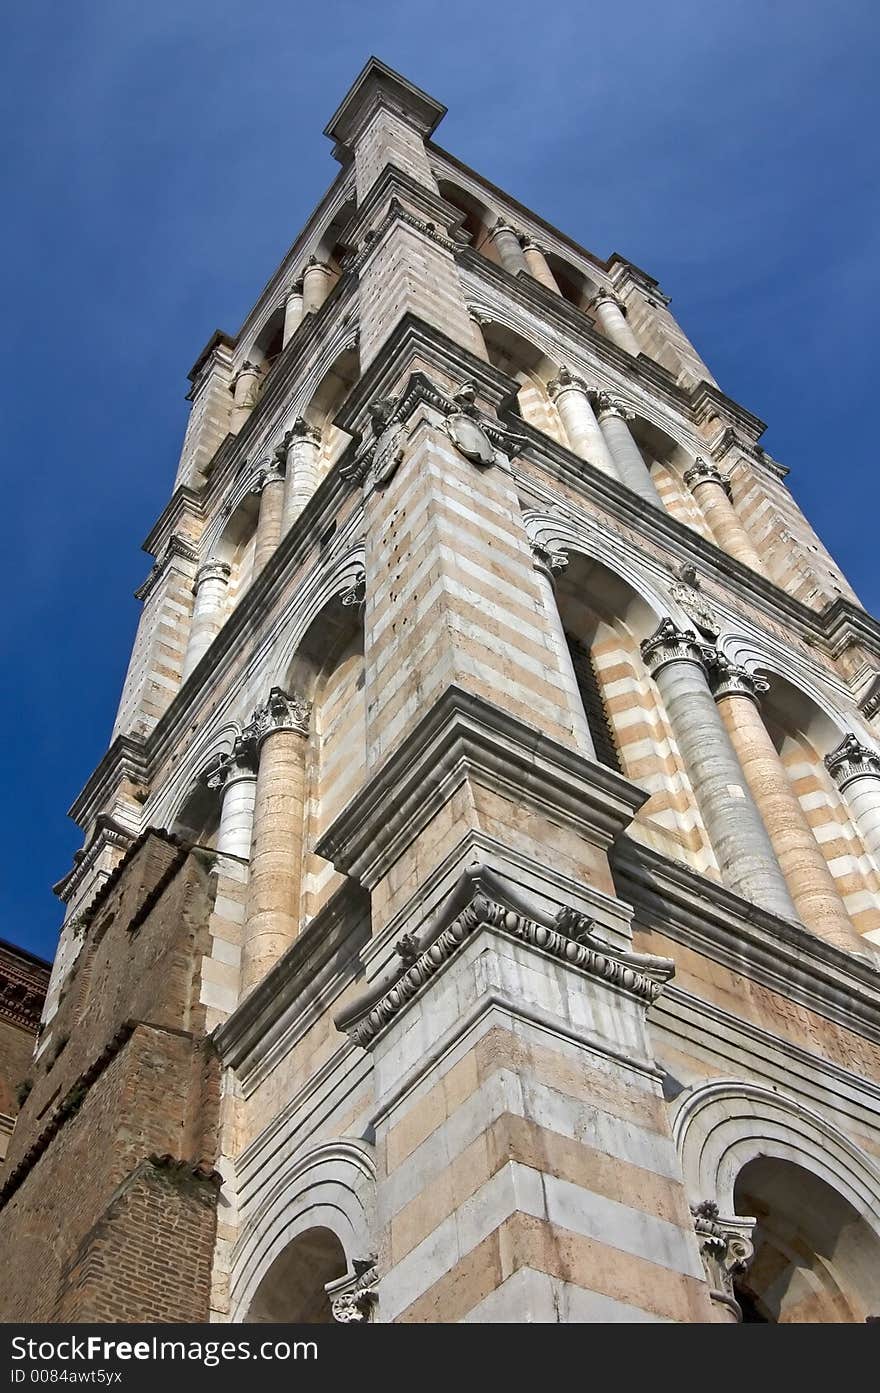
<point>810,883</point>
<point>317,284</point>
<point>245,389</point>
<point>293,311</point>
<point>612,321</point>
<point>479,342</point>
<point>536,261</point>
<point>507,244</point>
<point>614,418</point>
<point>270,486</point>
<point>856,770</point>
<point>236,776</point>
<point>710,488</point>
<point>677,662</point>
<point>272,908</point>
<point>549,564</point>
<point>209,610</point>
<point>585,437</point>
<point>303,446</point>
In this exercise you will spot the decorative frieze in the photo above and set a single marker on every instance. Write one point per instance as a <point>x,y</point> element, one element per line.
<point>571,939</point>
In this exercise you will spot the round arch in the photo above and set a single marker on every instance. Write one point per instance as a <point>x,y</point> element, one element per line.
<point>331,1189</point>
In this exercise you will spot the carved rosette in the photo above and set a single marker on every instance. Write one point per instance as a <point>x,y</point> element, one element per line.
<point>606,404</point>
<point>731,679</point>
<point>549,563</point>
<point>852,760</point>
<point>726,1251</point>
<point>353,1300</point>
<point>669,644</point>
<point>705,472</point>
<point>280,712</point>
<point>355,596</point>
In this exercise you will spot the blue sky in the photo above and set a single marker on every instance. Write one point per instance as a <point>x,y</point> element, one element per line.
<point>159,158</point>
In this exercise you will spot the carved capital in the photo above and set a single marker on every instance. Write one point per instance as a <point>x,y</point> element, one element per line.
<point>705,472</point>
<point>295,288</point>
<point>354,597</point>
<point>280,712</point>
<point>240,763</point>
<point>852,760</point>
<point>668,644</point>
<point>726,1250</point>
<point>354,1299</point>
<point>503,226</point>
<point>608,405</point>
<point>566,381</point>
<point>607,297</point>
<point>730,679</point>
<point>247,369</point>
<point>313,264</point>
<point>212,570</point>
<point>550,563</point>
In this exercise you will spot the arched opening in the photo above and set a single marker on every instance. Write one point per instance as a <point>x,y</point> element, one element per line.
<point>802,734</point>
<point>331,392</point>
<point>236,547</point>
<point>293,1290</point>
<point>329,670</point>
<point>269,341</point>
<point>530,367</point>
<point>199,818</point>
<point>605,619</point>
<point>667,461</point>
<point>332,248</point>
<point>477,219</point>
<point>574,285</point>
<point>816,1259</point>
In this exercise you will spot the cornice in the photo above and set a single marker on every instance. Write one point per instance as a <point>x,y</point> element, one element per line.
<point>845,623</point>
<point>24,980</point>
<point>378,86</point>
<point>184,502</point>
<point>108,833</point>
<point>393,181</point>
<point>464,738</point>
<point>125,759</point>
<point>708,401</point>
<point>219,339</point>
<point>320,962</point>
<point>779,954</point>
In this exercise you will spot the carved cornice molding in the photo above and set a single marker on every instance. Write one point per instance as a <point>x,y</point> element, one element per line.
<point>125,759</point>
<point>464,738</point>
<point>185,504</point>
<point>707,401</point>
<point>24,980</point>
<point>177,547</point>
<point>852,760</point>
<point>397,213</point>
<point>571,939</point>
<point>107,834</point>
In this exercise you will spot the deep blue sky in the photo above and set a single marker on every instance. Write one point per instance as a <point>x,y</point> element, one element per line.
<point>161,156</point>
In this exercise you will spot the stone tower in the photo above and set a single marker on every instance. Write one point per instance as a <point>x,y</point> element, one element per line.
<point>476,914</point>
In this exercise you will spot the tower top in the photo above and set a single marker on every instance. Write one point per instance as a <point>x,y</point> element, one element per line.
<point>377,86</point>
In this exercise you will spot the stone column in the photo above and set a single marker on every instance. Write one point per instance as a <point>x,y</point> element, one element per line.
<point>236,776</point>
<point>811,884</point>
<point>317,283</point>
<point>303,448</point>
<point>856,771</point>
<point>209,610</point>
<point>745,856</point>
<point>614,418</point>
<point>293,310</point>
<point>571,396</point>
<point>270,486</point>
<point>272,911</point>
<point>548,565</point>
<point>536,262</point>
<point>507,244</point>
<point>245,388</point>
<point>612,321</point>
<point>710,488</point>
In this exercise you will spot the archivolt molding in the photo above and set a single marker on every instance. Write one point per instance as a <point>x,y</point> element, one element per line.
<point>338,577</point>
<point>718,1127</point>
<point>557,533</point>
<point>207,748</point>
<point>332,1186</point>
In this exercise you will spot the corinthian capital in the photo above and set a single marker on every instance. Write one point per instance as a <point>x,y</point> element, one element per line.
<point>606,297</point>
<point>725,1248</point>
<point>551,563</point>
<point>239,763</point>
<point>566,381</point>
<point>668,644</point>
<point>212,570</point>
<point>731,679</point>
<point>300,430</point>
<point>606,404</point>
<point>852,760</point>
<point>704,472</point>
<point>281,711</point>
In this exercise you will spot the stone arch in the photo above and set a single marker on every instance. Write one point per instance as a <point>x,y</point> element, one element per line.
<point>607,606</point>
<point>202,756</point>
<point>331,247</point>
<point>331,1188</point>
<point>476,218</point>
<point>786,1175</point>
<point>574,284</point>
<point>327,396</point>
<point>521,359</point>
<point>667,460</point>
